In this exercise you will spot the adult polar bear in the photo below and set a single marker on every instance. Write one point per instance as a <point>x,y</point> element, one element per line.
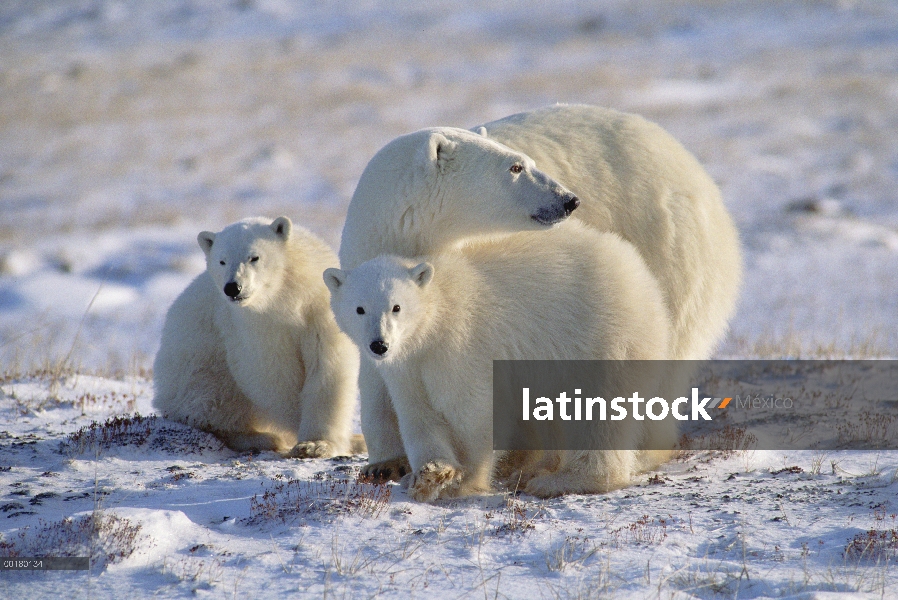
<point>250,350</point>
<point>431,189</point>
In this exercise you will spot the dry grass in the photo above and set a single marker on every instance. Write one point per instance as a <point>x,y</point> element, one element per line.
<point>645,530</point>
<point>124,430</point>
<point>104,538</point>
<point>794,346</point>
<point>323,497</point>
<point>723,443</point>
<point>874,545</point>
<point>518,516</point>
<point>870,430</point>
<point>572,552</point>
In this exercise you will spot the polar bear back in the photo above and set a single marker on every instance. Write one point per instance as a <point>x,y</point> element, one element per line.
<point>635,179</point>
<point>566,294</point>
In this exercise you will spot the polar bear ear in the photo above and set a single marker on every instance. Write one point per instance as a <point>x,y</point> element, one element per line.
<point>481,131</point>
<point>205,239</point>
<point>282,226</point>
<point>438,152</point>
<point>334,278</point>
<point>422,274</point>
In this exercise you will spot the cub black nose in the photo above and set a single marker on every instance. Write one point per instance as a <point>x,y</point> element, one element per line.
<point>379,347</point>
<point>570,204</point>
<point>231,289</point>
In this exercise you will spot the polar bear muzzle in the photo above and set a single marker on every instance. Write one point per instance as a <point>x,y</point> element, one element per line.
<point>550,215</point>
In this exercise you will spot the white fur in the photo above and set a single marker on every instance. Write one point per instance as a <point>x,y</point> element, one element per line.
<point>635,179</point>
<point>566,293</point>
<point>269,368</point>
<point>631,177</point>
<point>426,190</point>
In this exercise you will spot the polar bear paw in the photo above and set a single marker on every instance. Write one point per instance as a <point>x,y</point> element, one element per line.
<point>248,442</point>
<point>312,449</point>
<point>387,470</point>
<point>547,486</point>
<point>516,468</point>
<point>436,479</point>
<point>559,484</point>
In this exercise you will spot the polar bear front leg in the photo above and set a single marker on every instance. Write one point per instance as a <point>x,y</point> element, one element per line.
<point>328,394</point>
<point>435,469</point>
<point>387,460</point>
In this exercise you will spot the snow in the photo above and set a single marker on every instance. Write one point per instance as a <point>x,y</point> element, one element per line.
<point>127,127</point>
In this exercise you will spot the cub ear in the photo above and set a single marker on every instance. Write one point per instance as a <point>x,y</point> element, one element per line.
<point>438,152</point>
<point>205,239</point>
<point>282,226</point>
<point>334,278</point>
<point>481,131</point>
<point>422,274</point>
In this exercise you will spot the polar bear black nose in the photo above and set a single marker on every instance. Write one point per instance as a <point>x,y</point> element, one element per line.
<point>379,347</point>
<point>570,204</point>
<point>231,289</point>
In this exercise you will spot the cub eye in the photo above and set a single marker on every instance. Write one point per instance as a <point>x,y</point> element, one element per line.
<point>516,169</point>
<point>360,310</point>
<point>395,308</point>
<point>221,262</point>
<point>254,259</point>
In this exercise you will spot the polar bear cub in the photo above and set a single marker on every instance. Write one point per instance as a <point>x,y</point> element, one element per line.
<point>432,326</point>
<point>250,350</point>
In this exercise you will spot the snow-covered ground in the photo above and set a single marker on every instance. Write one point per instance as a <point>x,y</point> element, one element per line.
<point>164,510</point>
<point>126,127</point>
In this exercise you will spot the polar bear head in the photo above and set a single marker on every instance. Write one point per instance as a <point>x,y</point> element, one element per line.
<point>247,260</point>
<point>379,306</point>
<point>438,186</point>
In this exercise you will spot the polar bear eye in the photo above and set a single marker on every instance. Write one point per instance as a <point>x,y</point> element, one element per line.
<point>360,310</point>
<point>395,308</point>
<point>221,262</point>
<point>516,169</point>
<point>254,259</point>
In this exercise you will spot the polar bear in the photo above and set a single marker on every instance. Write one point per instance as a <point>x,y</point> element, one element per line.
<point>250,350</point>
<point>432,326</point>
<point>434,188</point>
<point>635,179</point>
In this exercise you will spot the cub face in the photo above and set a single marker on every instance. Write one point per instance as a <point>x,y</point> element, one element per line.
<point>378,305</point>
<point>246,260</point>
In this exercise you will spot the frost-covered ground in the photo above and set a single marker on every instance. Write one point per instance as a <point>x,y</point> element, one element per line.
<point>126,127</point>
